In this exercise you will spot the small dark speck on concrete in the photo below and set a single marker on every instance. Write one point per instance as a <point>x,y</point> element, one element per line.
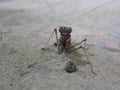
<point>11,84</point>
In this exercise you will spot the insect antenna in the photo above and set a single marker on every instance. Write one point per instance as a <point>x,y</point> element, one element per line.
<point>60,19</point>
<point>93,9</point>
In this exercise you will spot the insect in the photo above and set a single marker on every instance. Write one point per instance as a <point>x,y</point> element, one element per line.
<point>64,45</point>
<point>64,42</point>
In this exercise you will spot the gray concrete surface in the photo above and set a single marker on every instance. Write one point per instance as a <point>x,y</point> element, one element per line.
<point>25,26</point>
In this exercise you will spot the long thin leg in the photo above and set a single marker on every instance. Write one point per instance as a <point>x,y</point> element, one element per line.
<point>72,50</point>
<point>85,51</point>
<point>75,49</point>
<point>43,50</point>
<point>78,43</point>
<point>56,36</point>
<point>60,49</point>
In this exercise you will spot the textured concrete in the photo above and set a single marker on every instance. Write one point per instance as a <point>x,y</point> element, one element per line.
<point>25,26</point>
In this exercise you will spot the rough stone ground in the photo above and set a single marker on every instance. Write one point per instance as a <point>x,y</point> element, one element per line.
<point>24,30</point>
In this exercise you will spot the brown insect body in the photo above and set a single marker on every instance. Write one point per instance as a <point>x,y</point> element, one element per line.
<point>64,41</point>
